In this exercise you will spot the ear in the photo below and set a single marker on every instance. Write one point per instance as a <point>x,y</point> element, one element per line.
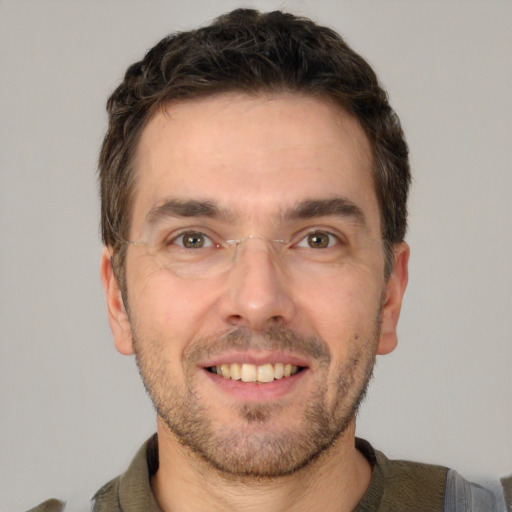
<point>117,315</point>
<point>395,289</point>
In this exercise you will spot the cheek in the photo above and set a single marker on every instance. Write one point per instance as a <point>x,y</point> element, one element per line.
<point>344,308</point>
<point>163,306</point>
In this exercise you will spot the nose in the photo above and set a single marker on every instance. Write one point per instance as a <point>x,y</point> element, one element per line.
<point>256,293</point>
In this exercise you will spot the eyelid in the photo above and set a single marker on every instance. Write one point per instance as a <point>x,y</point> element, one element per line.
<point>171,238</point>
<point>303,234</point>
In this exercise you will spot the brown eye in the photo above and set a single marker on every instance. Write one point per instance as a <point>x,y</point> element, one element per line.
<point>318,240</point>
<point>193,240</point>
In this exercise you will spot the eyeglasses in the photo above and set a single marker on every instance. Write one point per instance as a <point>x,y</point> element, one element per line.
<point>196,254</point>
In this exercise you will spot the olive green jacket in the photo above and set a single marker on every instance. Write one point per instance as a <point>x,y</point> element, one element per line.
<point>395,486</point>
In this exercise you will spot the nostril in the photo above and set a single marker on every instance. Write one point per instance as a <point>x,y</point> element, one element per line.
<point>235,319</point>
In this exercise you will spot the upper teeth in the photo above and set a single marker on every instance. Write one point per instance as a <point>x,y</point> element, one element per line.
<point>255,373</point>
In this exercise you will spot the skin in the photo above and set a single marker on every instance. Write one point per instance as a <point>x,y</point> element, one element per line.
<point>256,157</point>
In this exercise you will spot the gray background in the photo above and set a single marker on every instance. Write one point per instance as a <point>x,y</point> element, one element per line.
<point>73,411</point>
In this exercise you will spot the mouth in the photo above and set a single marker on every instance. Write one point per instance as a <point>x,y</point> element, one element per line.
<point>253,373</point>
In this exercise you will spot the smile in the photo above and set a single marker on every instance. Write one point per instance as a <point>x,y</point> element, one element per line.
<point>247,372</point>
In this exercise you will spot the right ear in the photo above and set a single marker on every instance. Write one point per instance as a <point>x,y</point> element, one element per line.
<point>117,315</point>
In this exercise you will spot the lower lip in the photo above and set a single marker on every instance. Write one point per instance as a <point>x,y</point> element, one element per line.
<point>257,392</point>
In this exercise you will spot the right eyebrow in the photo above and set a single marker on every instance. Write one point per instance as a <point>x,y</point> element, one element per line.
<point>184,208</point>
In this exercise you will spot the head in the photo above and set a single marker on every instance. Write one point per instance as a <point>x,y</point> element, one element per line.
<point>269,130</point>
<point>251,52</point>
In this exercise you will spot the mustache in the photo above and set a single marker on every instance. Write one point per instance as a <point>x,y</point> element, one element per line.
<point>273,338</point>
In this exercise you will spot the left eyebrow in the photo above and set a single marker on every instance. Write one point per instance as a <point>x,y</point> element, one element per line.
<point>334,207</point>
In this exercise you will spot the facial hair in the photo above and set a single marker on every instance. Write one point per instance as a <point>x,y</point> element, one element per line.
<point>264,441</point>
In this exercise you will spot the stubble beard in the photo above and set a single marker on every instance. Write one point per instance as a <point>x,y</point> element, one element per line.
<point>258,450</point>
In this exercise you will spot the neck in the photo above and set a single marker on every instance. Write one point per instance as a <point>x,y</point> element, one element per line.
<point>334,482</point>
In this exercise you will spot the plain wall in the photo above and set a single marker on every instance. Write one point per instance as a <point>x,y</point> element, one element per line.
<point>73,411</point>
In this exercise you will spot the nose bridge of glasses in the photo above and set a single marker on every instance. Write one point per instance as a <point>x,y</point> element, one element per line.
<point>257,242</point>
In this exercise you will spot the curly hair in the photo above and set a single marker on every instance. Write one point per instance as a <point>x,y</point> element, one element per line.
<point>251,52</point>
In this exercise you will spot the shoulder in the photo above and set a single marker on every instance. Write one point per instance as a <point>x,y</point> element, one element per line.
<point>409,485</point>
<point>106,498</point>
<point>129,491</point>
<point>401,485</point>
<point>463,495</point>
<point>424,482</point>
<point>51,505</point>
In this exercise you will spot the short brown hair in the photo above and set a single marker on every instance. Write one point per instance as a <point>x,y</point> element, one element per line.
<point>249,51</point>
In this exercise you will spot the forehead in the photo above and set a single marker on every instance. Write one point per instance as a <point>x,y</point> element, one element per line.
<point>252,155</point>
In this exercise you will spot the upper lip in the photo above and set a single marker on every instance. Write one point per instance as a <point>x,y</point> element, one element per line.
<point>257,358</point>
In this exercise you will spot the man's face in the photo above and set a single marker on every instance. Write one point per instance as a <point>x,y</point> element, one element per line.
<point>290,176</point>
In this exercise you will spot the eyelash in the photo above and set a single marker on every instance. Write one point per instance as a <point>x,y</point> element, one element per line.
<point>331,237</point>
<point>190,233</point>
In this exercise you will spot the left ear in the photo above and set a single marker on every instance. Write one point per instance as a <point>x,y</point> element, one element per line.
<point>395,289</point>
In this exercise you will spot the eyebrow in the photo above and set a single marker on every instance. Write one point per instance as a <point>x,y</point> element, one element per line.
<point>307,209</point>
<point>185,208</point>
<point>333,207</point>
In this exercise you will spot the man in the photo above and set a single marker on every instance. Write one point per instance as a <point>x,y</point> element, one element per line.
<point>254,185</point>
